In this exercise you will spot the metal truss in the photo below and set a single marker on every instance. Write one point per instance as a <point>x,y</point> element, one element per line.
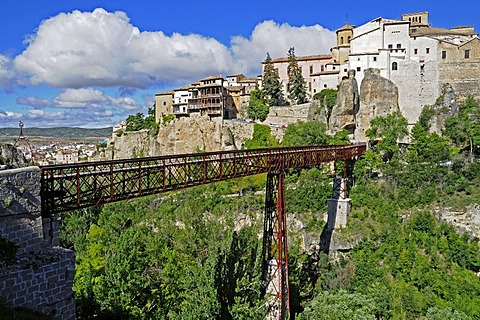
<point>275,285</point>
<point>75,186</point>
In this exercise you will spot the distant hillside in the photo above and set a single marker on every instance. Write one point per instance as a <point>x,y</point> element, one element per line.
<point>60,132</point>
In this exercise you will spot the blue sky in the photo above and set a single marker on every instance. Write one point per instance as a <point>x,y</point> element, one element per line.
<point>92,63</point>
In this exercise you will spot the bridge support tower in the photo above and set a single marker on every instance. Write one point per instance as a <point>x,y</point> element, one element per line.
<point>275,248</point>
<point>339,205</point>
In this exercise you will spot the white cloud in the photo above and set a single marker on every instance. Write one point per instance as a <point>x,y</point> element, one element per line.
<point>84,98</point>
<point>276,39</point>
<point>9,115</point>
<point>99,48</point>
<point>7,73</point>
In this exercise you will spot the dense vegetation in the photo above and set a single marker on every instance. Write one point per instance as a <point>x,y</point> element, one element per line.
<point>196,254</point>
<point>139,121</point>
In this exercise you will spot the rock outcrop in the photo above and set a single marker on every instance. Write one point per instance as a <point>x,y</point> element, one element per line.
<point>11,157</point>
<point>346,108</point>
<point>378,98</point>
<point>445,107</point>
<point>467,221</point>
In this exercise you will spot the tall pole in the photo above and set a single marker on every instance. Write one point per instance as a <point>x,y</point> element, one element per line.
<point>275,249</point>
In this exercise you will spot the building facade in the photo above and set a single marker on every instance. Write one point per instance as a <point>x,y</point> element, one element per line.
<point>418,58</point>
<point>213,96</point>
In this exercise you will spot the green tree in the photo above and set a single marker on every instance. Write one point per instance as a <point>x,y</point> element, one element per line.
<point>257,108</point>
<point>271,86</point>
<point>305,134</point>
<point>139,121</point>
<point>327,99</point>
<point>388,130</point>
<point>464,128</point>
<point>339,306</point>
<point>297,90</point>
<point>262,137</point>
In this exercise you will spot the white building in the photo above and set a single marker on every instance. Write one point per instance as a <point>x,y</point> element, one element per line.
<point>416,57</point>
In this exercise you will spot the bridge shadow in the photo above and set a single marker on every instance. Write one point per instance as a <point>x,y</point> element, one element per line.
<point>326,239</point>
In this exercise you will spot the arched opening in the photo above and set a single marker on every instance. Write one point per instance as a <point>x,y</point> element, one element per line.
<point>394,66</point>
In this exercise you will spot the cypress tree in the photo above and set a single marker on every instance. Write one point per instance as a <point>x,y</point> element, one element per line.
<point>297,90</point>
<point>271,85</point>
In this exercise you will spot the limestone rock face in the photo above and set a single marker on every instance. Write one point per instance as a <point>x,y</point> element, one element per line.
<point>445,107</point>
<point>318,113</point>
<point>344,111</point>
<point>465,221</point>
<point>11,157</point>
<point>378,98</point>
<point>182,135</point>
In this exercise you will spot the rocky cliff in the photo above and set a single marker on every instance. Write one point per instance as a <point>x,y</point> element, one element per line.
<point>378,98</point>
<point>445,107</point>
<point>11,157</point>
<point>182,135</point>
<point>345,110</point>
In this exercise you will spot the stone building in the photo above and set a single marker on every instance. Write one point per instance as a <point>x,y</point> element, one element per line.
<point>310,66</point>
<point>213,96</point>
<point>418,58</point>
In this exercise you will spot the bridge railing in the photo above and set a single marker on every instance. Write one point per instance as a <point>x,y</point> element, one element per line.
<point>75,186</point>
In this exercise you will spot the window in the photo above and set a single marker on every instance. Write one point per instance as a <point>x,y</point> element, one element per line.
<point>420,19</point>
<point>444,54</point>
<point>344,70</point>
<point>359,69</point>
<point>311,69</point>
<point>467,54</point>
<point>341,40</point>
<point>348,39</point>
<point>374,58</point>
<point>164,103</point>
<point>427,50</point>
<point>415,51</point>
<point>390,46</point>
<point>394,66</point>
<point>325,85</point>
<point>399,45</point>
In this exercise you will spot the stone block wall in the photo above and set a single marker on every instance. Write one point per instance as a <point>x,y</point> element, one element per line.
<point>41,276</point>
<point>20,191</point>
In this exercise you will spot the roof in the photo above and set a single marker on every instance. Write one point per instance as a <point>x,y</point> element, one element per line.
<point>429,31</point>
<point>414,13</point>
<point>249,80</point>
<point>234,88</point>
<point>346,27</point>
<point>188,86</point>
<point>236,75</point>
<point>169,92</point>
<point>304,58</point>
<point>325,73</point>
<point>216,77</point>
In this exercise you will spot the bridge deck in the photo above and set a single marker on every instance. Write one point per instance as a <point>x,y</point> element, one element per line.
<point>75,186</point>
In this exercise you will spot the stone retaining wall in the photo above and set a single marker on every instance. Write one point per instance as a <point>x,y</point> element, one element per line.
<point>41,277</point>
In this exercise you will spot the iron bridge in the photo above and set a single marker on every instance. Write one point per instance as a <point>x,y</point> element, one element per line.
<point>75,186</point>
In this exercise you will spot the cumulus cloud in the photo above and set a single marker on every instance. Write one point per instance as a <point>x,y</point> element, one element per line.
<point>9,115</point>
<point>85,98</point>
<point>276,39</point>
<point>7,73</point>
<point>100,48</point>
